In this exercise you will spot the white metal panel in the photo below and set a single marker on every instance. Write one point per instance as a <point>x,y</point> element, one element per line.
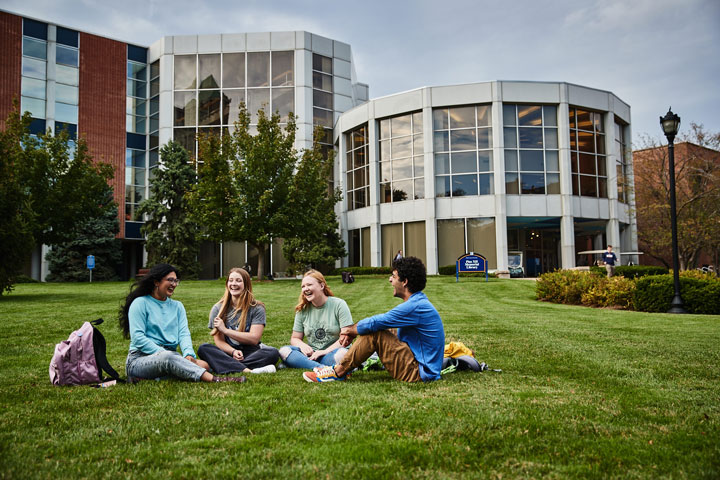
<point>234,42</point>
<point>258,41</point>
<point>209,43</point>
<point>184,44</point>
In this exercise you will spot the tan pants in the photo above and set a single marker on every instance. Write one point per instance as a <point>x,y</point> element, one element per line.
<point>396,356</point>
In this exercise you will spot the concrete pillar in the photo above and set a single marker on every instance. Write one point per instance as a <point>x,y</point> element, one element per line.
<point>501,237</point>
<point>567,226</point>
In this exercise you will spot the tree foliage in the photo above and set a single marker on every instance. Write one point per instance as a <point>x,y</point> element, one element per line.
<point>45,188</point>
<point>172,235</point>
<point>316,240</point>
<point>697,187</point>
<point>248,191</point>
<point>95,236</point>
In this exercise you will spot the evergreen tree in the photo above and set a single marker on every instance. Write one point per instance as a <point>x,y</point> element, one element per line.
<point>316,240</point>
<point>172,235</point>
<point>95,236</point>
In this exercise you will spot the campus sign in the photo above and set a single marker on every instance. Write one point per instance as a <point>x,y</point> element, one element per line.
<point>471,263</point>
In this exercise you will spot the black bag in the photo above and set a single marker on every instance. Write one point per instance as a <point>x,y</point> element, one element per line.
<point>347,277</point>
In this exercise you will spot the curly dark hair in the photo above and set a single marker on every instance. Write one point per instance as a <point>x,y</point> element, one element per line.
<point>413,270</point>
<point>141,288</point>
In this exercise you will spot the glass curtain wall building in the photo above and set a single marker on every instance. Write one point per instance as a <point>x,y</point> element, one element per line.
<point>529,170</point>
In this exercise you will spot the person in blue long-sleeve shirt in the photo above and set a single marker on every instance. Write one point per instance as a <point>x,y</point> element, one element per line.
<point>415,353</point>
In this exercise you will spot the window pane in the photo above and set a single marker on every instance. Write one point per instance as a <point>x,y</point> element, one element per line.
<point>575,189</point>
<point>322,64</point>
<point>463,139</point>
<point>601,165</point>
<point>532,183</point>
<point>531,160</point>
<point>486,184</point>
<point>66,56</point>
<point>33,68</point>
<point>530,137</point>
<point>485,161</point>
<point>35,106</point>
<point>511,183</point>
<point>442,163</point>
<point>385,150</point>
<point>322,81</point>
<point>209,70</point>
<point>602,187</point>
<point>509,117</point>
<point>484,115</point>
<point>186,138</point>
<point>553,183</point>
<point>34,48</point>
<point>588,187</point>
<point>511,160</point>
<point>402,191</point>
<point>185,109</point>
<point>418,145</point>
<point>529,115</point>
<point>68,94</point>
<point>484,137</point>
<point>209,107</point>
<point>419,188</point>
<point>137,71</point>
<point>464,162</point>
<point>462,117</point>
<point>283,102</point>
<point>481,239</point>
<point>134,158</point>
<point>419,166</point>
<point>464,185</point>
<point>231,105</point>
<point>584,121</point>
<point>32,87</point>
<point>258,69</point>
<point>440,119</point>
<point>450,240</point>
<point>551,161</point>
<point>441,141</point>
<point>400,126</point>
<point>550,112</point>
<point>586,142</point>
<point>282,68</point>
<point>359,178</point>
<point>185,77</point>
<point>136,88</point>
<point>66,113</point>
<point>67,75</point>
<point>587,164</point>
<point>402,168</point>
<point>401,147</point>
<point>551,140</point>
<point>510,136</point>
<point>600,144</point>
<point>258,98</point>
<point>323,117</point>
<point>417,121</point>
<point>233,70</point>
<point>322,99</point>
<point>442,186</point>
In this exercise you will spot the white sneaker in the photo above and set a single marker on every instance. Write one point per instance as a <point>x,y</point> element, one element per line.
<point>265,369</point>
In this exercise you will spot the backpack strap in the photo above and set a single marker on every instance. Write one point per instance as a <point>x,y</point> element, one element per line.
<point>99,345</point>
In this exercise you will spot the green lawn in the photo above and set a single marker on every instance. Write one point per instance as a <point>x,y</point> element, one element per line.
<point>584,393</point>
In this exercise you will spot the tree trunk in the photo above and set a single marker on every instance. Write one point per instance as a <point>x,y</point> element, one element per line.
<point>261,261</point>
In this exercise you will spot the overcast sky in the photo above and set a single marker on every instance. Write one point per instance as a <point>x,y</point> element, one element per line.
<point>652,54</point>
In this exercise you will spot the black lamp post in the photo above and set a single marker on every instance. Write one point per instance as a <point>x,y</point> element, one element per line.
<point>670,125</point>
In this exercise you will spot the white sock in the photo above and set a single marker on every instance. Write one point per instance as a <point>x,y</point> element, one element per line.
<point>265,369</point>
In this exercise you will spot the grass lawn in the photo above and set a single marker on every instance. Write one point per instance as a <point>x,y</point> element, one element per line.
<point>584,393</point>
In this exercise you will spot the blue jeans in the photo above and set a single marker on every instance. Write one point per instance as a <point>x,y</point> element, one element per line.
<point>161,365</point>
<point>297,359</point>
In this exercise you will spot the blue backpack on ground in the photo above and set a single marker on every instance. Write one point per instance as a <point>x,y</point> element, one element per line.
<point>81,359</point>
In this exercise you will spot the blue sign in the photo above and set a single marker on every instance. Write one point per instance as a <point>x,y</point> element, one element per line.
<point>470,262</point>
<point>91,261</point>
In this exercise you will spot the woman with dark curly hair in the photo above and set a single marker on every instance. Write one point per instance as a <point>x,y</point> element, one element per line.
<point>156,325</point>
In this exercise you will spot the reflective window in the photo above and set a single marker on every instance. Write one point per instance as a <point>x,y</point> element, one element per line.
<point>32,87</point>
<point>33,47</point>
<point>231,105</point>
<point>66,94</point>
<point>258,69</point>
<point>185,75</point>
<point>67,75</point>
<point>357,190</point>
<point>587,153</point>
<point>257,98</point>
<point>209,71</point>
<point>323,104</point>
<point>283,102</point>
<point>401,158</point>
<point>621,162</point>
<point>185,109</point>
<point>66,113</point>
<point>282,68</point>
<point>531,149</point>
<point>233,70</point>
<point>35,106</point>
<point>457,236</point>
<point>462,141</point>
<point>66,55</point>
<point>34,68</point>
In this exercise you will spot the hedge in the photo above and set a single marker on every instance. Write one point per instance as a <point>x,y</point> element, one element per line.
<point>699,295</point>
<point>364,270</point>
<point>632,271</point>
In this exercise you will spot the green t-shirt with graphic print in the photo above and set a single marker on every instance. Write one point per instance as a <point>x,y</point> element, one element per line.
<point>321,326</point>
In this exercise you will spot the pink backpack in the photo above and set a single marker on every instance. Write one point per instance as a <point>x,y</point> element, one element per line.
<point>81,359</point>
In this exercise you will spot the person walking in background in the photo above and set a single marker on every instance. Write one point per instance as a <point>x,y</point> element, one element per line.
<point>237,323</point>
<point>156,325</point>
<point>319,316</point>
<point>415,353</point>
<point>398,256</point>
<point>609,259</point>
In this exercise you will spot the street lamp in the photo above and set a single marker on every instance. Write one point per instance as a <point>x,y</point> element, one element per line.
<point>670,125</point>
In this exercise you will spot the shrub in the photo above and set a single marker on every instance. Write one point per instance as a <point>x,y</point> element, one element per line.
<point>700,295</point>
<point>25,279</point>
<point>363,270</point>
<point>610,292</point>
<point>565,286</point>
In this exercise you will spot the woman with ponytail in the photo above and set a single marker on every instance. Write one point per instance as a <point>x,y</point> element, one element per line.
<point>156,325</point>
<point>237,323</point>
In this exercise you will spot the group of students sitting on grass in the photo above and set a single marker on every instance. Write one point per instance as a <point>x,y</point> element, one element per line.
<point>325,341</point>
